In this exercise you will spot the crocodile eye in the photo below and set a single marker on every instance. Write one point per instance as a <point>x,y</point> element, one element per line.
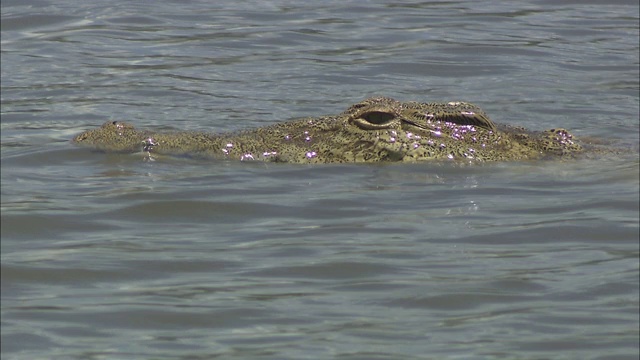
<point>378,117</point>
<point>372,120</point>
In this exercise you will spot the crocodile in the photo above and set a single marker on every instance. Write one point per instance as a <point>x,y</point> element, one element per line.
<point>376,129</point>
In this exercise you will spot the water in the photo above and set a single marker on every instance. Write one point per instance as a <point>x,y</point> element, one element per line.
<point>110,257</point>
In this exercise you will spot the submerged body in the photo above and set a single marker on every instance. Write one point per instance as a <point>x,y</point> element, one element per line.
<point>376,129</point>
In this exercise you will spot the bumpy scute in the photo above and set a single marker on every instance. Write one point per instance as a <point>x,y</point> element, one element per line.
<point>376,129</point>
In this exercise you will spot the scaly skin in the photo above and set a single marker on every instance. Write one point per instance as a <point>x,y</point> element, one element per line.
<point>376,129</point>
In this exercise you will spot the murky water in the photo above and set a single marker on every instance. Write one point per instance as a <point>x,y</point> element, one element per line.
<point>111,257</point>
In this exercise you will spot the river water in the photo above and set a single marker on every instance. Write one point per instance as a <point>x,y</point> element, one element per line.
<point>111,257</point>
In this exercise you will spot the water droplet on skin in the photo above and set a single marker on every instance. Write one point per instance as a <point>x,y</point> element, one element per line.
<point>307,138</point>
<point>148,144</point>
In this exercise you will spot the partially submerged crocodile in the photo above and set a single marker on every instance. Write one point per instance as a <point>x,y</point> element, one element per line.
<point>376,129</point>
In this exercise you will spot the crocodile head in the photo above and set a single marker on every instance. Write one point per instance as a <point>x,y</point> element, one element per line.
<point>112,136</point>
<point>376,129</point>
<point>383,129</point>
